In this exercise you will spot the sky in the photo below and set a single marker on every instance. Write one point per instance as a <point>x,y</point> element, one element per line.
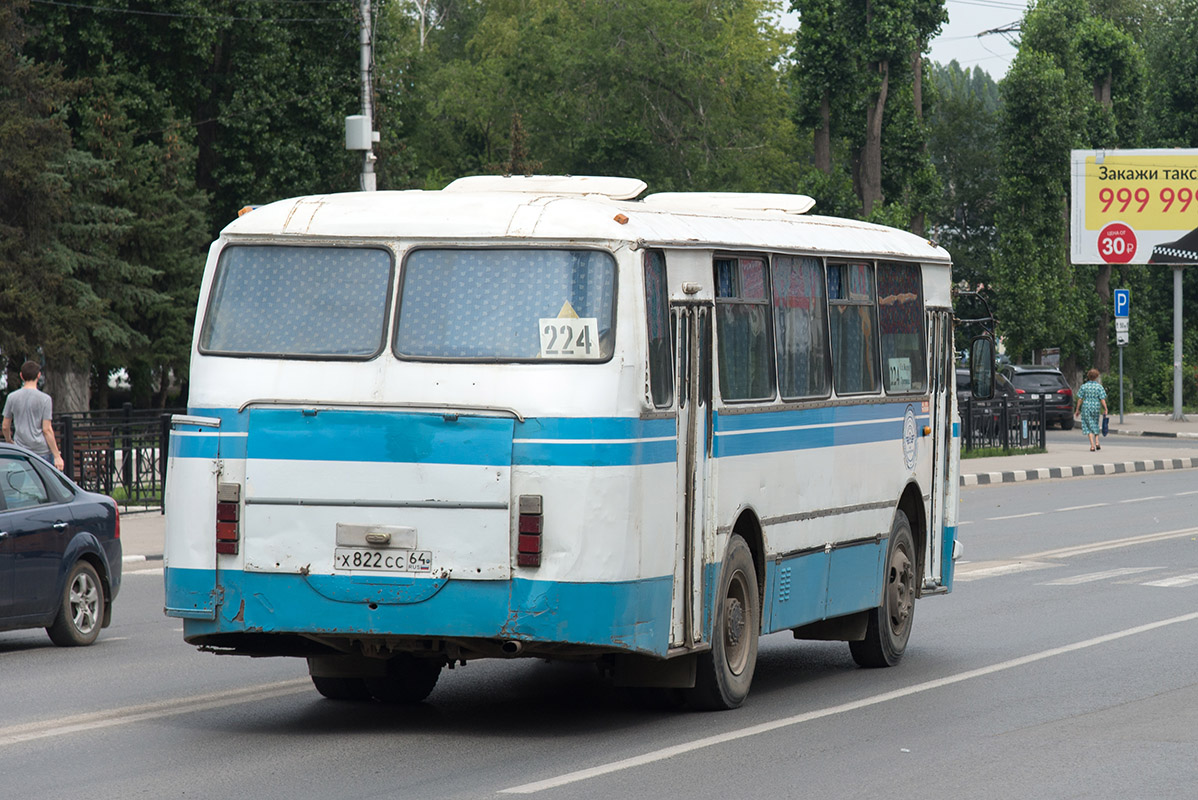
<point>959,38</point>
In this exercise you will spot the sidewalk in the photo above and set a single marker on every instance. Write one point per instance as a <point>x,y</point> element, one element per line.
<point>1073,458</point>
<point>142,531</point>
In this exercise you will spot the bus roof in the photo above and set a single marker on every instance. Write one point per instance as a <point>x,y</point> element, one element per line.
<point>581,209</point>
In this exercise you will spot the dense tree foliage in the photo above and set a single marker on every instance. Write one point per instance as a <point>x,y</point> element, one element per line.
<point>133,131</point>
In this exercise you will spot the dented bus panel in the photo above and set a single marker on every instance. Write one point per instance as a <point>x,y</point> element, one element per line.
<point>539,417</point>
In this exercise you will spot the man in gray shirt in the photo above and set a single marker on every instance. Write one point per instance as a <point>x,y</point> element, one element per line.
<point>27,415</point>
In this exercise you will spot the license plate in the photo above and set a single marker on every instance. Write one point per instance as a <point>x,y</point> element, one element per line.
<point>388,560</point>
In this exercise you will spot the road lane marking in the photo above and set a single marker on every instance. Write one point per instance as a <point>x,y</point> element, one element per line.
<point>1112,544</point>
<point>1099,576</point>
<point>798,719</point>
<point>1142,499</point>
<point>977,570</point>
<point>1015,516</point>
<point>112,717</point>
<point>1080,508</point>
<point>1179,580</point>
<point>1185,494</point>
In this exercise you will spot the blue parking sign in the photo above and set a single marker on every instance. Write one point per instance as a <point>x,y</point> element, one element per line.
<point>1122,302</point>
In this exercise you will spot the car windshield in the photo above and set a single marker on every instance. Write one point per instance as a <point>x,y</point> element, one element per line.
<point>507,305</point>
<point>1038,381</point>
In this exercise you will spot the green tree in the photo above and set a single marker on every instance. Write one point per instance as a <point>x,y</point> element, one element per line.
<point>681,93</point>
<point>34,191</point>
<point>962,142</point>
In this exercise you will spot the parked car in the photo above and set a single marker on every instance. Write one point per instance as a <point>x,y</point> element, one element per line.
<point>1033,381</point>
<point>60,551</point>
<point>1002,387</point>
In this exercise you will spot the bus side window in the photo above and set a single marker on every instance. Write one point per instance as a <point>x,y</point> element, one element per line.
<point>657,308</point>
<point>853,322</point>
<point>745,341</point>
<point>801,327</point>
<point>900,319</point>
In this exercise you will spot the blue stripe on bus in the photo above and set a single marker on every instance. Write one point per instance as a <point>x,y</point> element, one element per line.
<point>806,429</point>
<point>630,615</point>
<point>388,437</point>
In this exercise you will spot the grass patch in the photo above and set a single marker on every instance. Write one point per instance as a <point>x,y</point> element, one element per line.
<point>990,452</point>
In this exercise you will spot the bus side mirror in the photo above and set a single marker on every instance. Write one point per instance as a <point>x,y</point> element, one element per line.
<point>981,367</point>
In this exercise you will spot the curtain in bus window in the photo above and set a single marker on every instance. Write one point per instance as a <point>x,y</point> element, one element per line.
<point>900,319</point>
<point>801,327</point>
<point>490,304</point>
<point>853,326</point>
<point>657,309</point>
<point>298,301</point>
<point>746,353</point>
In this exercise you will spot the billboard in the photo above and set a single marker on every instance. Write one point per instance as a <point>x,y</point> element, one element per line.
<point>1134,207</point>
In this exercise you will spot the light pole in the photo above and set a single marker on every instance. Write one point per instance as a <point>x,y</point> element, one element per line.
<point>359,128</point>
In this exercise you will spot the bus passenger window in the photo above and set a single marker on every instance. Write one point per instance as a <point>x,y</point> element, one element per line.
<point>853,324</point>
<point>304,302</point>
<point>657,308</point>
<point>801,327</point>
<point>489,304</point>
<point>900,319</point>
<point>745,340</point>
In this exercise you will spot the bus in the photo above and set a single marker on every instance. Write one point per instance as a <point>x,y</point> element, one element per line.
<point>547,416</point>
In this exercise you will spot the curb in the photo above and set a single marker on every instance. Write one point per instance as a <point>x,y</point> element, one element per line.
<point>1046,473</point>
<point>1158,434</point>
<point>139,559</point>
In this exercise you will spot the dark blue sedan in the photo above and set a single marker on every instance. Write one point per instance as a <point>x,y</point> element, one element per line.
<point>60,551</point>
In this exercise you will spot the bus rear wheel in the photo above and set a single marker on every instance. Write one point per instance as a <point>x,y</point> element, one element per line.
<point>725,672</point>
<point>353,689</point>
<point>889,625</point>
<point>408,680</point>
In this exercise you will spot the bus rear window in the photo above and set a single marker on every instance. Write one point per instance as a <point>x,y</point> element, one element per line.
<point>313,302</point>
<point>507,305</point>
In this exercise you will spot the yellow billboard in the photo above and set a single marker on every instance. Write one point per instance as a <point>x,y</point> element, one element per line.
<point>1134,206</point>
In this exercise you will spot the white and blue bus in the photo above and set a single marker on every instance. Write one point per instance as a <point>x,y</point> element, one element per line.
<point>536,416</point>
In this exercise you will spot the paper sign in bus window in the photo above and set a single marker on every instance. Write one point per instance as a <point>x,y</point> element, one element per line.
<point>569,337</point>
<point>900,374</point>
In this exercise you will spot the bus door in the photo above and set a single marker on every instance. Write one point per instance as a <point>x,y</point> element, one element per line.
<point>943,478</point>
<point>692,345</point>
<point>190,497</point>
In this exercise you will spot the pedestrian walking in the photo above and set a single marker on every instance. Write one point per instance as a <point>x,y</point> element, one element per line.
<point>27,417</point>
<point>1091,407</point>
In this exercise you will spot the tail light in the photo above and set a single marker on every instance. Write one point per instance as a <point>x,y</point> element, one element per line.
<point>116,523</point>
<point>228,518</point>
<point>1020,391</point>
<point>1066,391</point>
<point>528,532</point>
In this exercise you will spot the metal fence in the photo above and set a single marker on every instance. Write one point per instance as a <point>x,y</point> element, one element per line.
<point>1003,423</point>
<point>120,453</point>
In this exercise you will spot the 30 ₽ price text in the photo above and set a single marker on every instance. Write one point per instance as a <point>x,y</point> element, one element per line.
<point>1169,198</point>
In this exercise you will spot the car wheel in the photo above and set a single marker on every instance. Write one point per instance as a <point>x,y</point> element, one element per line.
<point>889,625</point>
<point>1067,424</point>
<point>81,608</point>
<point>725,672</point>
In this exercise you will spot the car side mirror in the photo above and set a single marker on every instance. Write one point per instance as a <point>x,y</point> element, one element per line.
<point>981,367</point>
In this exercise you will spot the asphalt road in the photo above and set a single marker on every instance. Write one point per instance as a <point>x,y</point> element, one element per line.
<point>1063,665</point>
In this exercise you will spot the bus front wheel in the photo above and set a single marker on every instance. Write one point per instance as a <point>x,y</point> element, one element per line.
<point>725,672</point>
<point>889,625</point>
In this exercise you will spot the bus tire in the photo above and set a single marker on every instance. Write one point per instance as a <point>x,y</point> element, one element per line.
<point>80,608</point>
<point>725,672</point>
<point>342,688</point>
<point>408,680</point>
<point>889,625</point>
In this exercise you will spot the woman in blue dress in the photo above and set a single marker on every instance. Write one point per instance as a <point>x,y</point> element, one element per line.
<point>1091,407</point>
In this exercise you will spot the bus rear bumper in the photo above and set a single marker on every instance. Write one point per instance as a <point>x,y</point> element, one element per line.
<point>627,616</point>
